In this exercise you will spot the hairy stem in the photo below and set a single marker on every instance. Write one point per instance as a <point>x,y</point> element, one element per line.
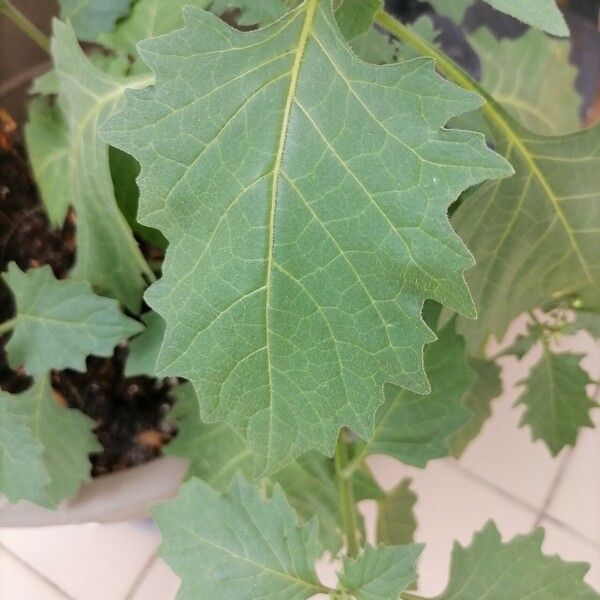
<point>7,326</point>
<point>347,503</point>
<point>24,24</point>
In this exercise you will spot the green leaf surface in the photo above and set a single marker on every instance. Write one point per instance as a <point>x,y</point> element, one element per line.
<point>49,444</point>
<point>107,253</point>
<point>534,235</point>
<point>149,18</point>
<point>557,403</point>
<point>516,570</point>
<point>47,139</point>
<point>216,453</point>
<point>380,573</point>
<point>532,78</point>
<point>22,471</point>
<point>486,387</point>
<point>415,429</point>
<point>144,349</point>
<point>304,245</point>
<point>586,320</point>
<point>375,47</point>
<point>542,14</point>
<point>237,545</point>
<point>396,522</point>
<point>59,323</point>
<point>355,17</point>
<point>89,18</point>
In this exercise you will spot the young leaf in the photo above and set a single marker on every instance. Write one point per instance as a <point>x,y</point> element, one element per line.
<point>303,244</point>
<point>59,323</point>
<point>543,14</point>
<point>91,17</point>
<point>49,444</point>
<point>47,138</point>
<point>486,387</point>
<point>396,523</point>
<point>216,453</point>
<point>237,545</point>
<point>107,253</point>
<point>149,18</point>
<point>532,78</point>
<point>518,570</point>
<point>414,429</point>
<point>144,349</point>
<point>556,399</point>
<point>380,573</point>
<point>535,235</point>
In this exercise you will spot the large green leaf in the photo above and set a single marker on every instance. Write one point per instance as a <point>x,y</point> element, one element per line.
<point>415,429</point>
<point>532,78</point>
<point>237,545</point>
<point>92,17</point>
<point>543,14</point>
<point>302,247</point>
<point>516,570</point>
<point>149,18</point>
<point>486,387</point>
<point>216,453</point>
<point>107,253</point>
<point>535,235</point>
<point>47,137</point>
<point>46,445</point>
<point>59,323</point>
<point>557,403</point>
<point>380,573</point>
<point>396,523</point>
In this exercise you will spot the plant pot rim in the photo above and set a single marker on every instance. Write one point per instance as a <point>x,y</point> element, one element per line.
<point>119,496</point>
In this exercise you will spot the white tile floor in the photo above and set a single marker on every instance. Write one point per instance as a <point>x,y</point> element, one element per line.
<point>503,476</point>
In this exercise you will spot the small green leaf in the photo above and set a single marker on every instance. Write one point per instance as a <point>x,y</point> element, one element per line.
<point>47,138</point>
<point>304,245</point>
<point>107,253</point>
<point>556,399</point>
<point>454,10</point>
<point>262,13</point>
<point>355,17</point>
<point>237,545</point>
<point>59,323</point>
<point>144,349</point>
<point>587,321</point>
<point>22,471</point>
<point>396,523</point>
<point>89,18</point>
<point>516,570</point>
<point>380,573</point>
<point>415,429</point>
<point>486,387</point>
<point>47,443</point>
<point>543,14</point>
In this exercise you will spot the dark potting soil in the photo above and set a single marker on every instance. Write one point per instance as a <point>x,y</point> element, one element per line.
<point>130,412</point>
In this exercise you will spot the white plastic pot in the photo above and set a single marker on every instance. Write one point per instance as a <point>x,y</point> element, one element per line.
<point>116,497</point>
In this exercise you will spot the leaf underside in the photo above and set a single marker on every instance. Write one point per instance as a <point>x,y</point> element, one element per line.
<point>301,247</point>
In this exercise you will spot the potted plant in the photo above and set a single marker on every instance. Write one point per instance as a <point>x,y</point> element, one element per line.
<point>299,237</point>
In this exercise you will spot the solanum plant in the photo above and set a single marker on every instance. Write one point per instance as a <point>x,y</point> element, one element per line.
<point>342,237</point>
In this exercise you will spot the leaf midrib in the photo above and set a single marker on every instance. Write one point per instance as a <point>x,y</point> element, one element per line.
<point>311,9</point>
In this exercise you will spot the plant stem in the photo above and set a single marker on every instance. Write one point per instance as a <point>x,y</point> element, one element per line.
<point>348,505</point>
<point>24,24</point>
<point>7,326</point>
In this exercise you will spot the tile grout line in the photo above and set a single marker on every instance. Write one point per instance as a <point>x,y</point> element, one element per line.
<point>522,503</point>
<point>37,573</point>
<point>141,577</point>
<point>554,485</point>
